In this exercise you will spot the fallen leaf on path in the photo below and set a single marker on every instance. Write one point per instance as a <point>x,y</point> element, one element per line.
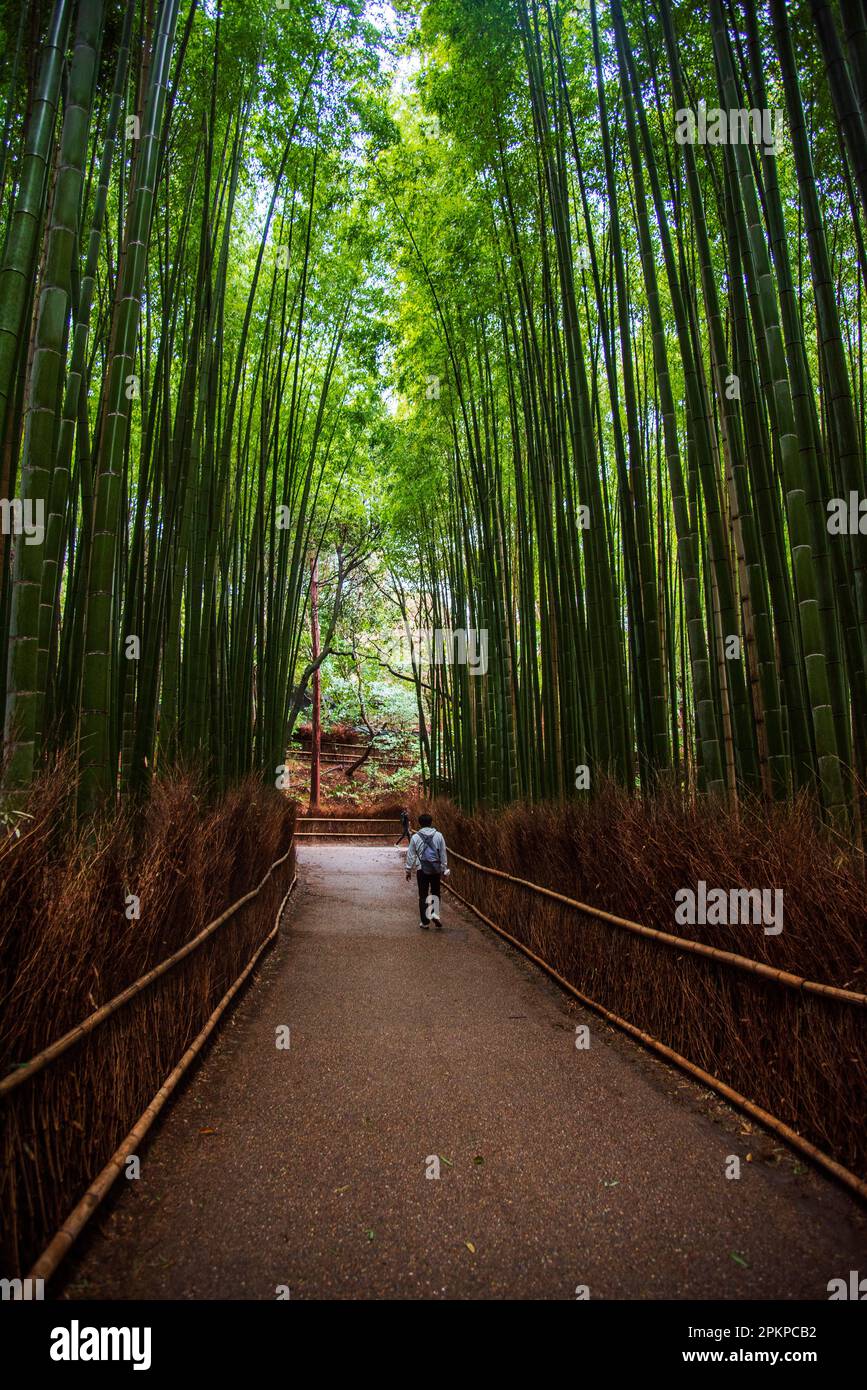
<point>470,1246</point>
<point>739,1260</point>
<point>208,1131</point>
<point>343,1189</point>
<point>442,1158</point>
<point>370,1235</point>
<point>478,1159</point>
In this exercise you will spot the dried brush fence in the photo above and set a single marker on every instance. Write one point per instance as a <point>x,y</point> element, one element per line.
<point>795,1048</point>
<point>98,1011</point>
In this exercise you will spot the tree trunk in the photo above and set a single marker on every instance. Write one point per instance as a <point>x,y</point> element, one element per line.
<point>316,738</point>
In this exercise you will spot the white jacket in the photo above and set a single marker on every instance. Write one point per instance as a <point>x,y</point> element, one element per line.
<point>413,853</point>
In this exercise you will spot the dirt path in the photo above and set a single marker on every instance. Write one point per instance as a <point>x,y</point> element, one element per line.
<point>559,1167</point>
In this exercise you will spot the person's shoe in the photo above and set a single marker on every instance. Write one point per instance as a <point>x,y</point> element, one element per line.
<point>437,923</point>
<point>424,926</point>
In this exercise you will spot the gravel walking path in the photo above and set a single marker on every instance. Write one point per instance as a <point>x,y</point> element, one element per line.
<point>306,1169</point>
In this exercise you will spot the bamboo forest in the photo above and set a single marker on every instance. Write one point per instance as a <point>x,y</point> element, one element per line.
<point>441,408</point>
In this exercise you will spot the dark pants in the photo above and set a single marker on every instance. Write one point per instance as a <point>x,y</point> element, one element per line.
<point>404,832</point>
<point>427,883</point>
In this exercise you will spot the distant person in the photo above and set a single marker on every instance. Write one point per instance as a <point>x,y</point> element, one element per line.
<point>427,855</point>
<point>404,821</point>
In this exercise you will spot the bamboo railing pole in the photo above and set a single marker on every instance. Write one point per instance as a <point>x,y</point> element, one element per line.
<point>48,1054</point>
<point>791,1136</point>
<point>81,1213</point>
<point>754,967</point>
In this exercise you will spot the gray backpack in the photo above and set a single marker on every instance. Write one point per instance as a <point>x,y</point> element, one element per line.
<point>428,856</point>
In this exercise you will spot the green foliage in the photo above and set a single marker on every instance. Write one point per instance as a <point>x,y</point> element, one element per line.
<point>431,296</point>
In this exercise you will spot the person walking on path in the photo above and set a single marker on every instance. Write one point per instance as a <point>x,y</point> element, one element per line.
<point>427,855</point>
<point>404,823</point>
